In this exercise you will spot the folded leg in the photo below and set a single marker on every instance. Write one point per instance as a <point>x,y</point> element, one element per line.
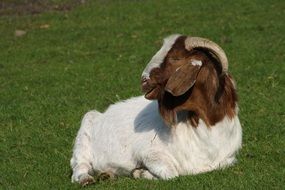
<point>82,155</point>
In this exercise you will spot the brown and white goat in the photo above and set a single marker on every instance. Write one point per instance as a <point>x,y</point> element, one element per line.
<point>192,77</point>
<point>189,124</point>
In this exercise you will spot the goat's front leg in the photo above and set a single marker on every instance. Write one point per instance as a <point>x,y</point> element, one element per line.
<point>160,165</point>
<point>82,151</point>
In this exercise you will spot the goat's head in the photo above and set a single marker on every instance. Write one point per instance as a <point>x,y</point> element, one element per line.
<point>190,75</point>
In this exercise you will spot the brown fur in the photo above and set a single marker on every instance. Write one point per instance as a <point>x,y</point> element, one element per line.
<point>211,98</point>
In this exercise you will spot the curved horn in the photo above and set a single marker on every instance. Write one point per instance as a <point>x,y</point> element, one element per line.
<point>195,42</point>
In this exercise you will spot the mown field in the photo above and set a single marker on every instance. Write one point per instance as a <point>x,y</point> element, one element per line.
<point>66,58</point>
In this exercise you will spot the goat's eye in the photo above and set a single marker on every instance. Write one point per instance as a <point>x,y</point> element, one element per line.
<point>174,59</point>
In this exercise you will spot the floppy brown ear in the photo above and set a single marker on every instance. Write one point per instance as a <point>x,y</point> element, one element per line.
<point>183,78</point>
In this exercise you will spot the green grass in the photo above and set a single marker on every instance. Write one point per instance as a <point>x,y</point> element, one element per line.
<point>93,56</point>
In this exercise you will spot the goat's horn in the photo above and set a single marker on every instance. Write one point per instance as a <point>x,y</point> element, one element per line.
<point>197,42</point>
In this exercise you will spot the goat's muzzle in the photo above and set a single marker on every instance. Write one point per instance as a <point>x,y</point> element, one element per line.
<point>149,88</point>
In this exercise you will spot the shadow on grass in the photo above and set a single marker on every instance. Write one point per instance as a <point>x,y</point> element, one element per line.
<point>31,7</point>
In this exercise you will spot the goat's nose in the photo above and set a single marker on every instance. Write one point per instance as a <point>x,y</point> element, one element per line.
<point>144,81</point>
<point>146,85</point>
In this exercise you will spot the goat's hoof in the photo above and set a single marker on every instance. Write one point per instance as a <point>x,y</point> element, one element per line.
<point>86,179</point>
<point>106,176</point>
<point>142,173</point>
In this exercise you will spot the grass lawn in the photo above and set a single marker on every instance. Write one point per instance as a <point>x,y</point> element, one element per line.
<point>92,55</point>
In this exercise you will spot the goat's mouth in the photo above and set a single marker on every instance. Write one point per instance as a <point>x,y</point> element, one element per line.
<point>152,93</point>
<point>150,90</point>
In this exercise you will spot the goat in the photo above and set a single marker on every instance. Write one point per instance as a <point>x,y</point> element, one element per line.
<point>186,123</point>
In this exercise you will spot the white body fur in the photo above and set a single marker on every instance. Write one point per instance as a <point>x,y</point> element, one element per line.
<point>131,134</point>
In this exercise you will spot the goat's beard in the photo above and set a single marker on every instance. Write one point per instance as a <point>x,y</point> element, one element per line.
<point>169,116</point>
<point>169,105</point>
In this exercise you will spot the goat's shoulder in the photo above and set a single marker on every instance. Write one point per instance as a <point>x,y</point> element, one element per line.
<point>131,103</point>
<point>128,108</point>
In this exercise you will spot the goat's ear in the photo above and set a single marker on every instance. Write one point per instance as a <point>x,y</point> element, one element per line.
<point>183,78</point>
